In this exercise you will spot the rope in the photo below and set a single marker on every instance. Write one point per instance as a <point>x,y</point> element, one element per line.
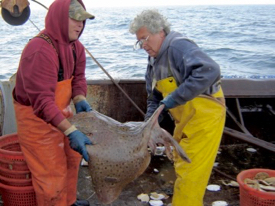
<point>115,83</point>
<point>34,24</point>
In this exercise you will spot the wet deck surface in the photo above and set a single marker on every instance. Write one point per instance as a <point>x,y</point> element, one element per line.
<point>232,159</point>
<point>151,181</point>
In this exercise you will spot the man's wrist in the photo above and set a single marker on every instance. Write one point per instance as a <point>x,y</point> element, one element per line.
<point>70,130</point>
<point>78,98</point>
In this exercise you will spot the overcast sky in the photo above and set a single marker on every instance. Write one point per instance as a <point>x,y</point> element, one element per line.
<point>126,3</point>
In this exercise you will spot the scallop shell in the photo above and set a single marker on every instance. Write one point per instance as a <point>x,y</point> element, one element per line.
<point>261,176</point>
<point>267,188</point>
<point>155,202</point>
<point>250,149</point>
<point>219,203</point>
<point>143,197</point>
<point>231,183</point>
<point>156,196</point>
<point>156,170</point>
<point>270,180</point>
<point>213,188</point>
<point>159,150</point>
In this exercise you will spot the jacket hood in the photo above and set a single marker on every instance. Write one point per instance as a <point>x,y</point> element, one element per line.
<point>56,22</point>
<point>57,27</point>
<point>166,43</point>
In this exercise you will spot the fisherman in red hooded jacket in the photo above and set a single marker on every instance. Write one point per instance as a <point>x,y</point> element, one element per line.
<point>51,73</point>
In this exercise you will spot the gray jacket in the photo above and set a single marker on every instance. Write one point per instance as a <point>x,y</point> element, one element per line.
<point>194,71</point>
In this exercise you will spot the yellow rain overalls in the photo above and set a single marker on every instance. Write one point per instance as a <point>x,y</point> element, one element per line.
<point>198,129</point>
<point>53,164</point>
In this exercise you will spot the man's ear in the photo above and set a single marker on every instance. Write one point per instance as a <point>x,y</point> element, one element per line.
<point>162,34</point>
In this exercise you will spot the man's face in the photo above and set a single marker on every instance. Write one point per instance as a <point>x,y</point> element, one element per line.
<point>75,28</point>
<point>151,42</point>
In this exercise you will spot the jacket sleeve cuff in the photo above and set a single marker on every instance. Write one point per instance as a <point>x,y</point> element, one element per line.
<point>70,130</point>
<point>78,98</point>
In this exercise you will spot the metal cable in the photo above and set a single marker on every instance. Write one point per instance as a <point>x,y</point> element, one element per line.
<point>34,24</point>
<point>40,4</point>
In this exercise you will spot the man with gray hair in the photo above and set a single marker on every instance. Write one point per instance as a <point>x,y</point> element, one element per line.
<point>51,73</point>
<point>187,81</point>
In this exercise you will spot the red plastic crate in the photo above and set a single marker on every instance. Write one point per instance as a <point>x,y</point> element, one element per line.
<point>250,196</point>
<point>18,196</point>
<point>10,149</point>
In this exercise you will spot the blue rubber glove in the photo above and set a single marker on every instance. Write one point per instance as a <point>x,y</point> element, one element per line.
<point>82,106</point>
<point>169,102</point>
<point>78,142</point>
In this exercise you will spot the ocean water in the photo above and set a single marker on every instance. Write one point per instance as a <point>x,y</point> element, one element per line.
<point>241,39</point>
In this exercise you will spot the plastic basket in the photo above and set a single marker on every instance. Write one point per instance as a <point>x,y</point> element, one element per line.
<point>15,182</point>
<point>10,149</point>
<point>18,196</point>
<point>13,165</point>
<point>14,174</point>
<point>12,146</point>
<point>250,196</point>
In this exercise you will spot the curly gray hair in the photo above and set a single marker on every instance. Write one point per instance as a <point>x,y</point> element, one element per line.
<point>152,20</point>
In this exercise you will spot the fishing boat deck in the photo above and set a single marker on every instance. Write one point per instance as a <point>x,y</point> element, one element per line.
<point>232,159</point>
<point>151,181</point>
<point>250,123</point>
<point>250,112</point>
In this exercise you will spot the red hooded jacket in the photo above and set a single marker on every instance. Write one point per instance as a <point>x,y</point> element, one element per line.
<point>37,75</point>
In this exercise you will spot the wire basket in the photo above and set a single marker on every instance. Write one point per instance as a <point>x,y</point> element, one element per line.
<point>253,197</point>
<point>18,196</point>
